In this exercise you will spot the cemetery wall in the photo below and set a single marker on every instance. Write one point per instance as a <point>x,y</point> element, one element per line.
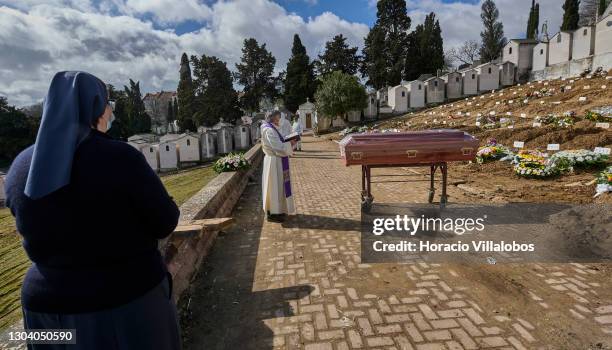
<point>215,200</point>
<point>567,69</point>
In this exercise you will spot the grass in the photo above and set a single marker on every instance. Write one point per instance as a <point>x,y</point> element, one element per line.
<point>14,261</point>
<point>185,184</point>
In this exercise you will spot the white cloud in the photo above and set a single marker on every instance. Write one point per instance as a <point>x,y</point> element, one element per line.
<point>109,38</point>
<point>109,41</point>
<point>461,21</point>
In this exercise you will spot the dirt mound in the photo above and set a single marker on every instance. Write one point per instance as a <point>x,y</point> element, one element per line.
<point>587,228</point>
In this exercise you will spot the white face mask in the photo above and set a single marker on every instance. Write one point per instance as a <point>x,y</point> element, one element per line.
<point>109,123</point>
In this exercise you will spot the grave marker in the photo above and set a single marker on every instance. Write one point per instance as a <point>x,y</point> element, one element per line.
<point>519,144</point>
<point>602,125</point>
<point>602,150</point>
<point>536,124</point>
<point>552,147</point>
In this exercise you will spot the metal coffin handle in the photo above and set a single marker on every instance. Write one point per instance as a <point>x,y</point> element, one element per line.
<point>356,155</point>
<point>467,151</point>
<point>411,153</point>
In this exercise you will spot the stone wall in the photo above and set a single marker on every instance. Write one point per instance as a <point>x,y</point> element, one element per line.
<point>185,253</point>
<point>568,69</point>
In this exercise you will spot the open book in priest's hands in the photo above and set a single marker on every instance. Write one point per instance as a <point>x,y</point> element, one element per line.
<point>293,136</point>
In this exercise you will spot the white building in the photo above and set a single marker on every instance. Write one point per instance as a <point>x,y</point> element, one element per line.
<point>453,85</point>
<point>242,136</point>
<point>168,155</point>
<point>208,144</point>
<point>583,42</point>
<point>469,79</point>
<point>169,137</point>
<point>189,148</point>
<point>603,40</point>
<point>434,90</point>
<point>225,137</point>
<point>398,98</point>
<point>416,93</point>
<point>488,77</point>
<point>540,56</point>
<point>138,143</point>
<point>307,114</point>
<point>143,137</point>
<point>507,72</point>
<point>560,48</point>
<point>151,154</point>
<point>520,53</point>
<point>371,111</point>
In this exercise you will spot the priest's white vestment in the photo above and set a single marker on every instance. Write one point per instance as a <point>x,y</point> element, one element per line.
<point>276,188</point>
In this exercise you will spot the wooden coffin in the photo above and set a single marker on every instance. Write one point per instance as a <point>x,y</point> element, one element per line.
<point>409,148</point>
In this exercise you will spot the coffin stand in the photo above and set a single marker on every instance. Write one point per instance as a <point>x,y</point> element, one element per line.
<point>431,148</point>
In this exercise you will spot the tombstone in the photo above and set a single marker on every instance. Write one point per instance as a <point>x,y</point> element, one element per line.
<point>151,154</point>
<point>168,155</point>
<point>255,131</point>
<point>338,122</point>
<point>242,137</point>
<point>507,73</point>
<point>208,144</point>
<point>225,140</point>
<point>189,148</point>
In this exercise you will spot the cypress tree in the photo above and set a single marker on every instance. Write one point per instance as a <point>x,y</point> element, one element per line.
<point>374,65</point>
<point>255,74</point>
<point>393,20</point>
<point>299,79</point>
<point>186,96</point>
<point>571,15</point>
<point>493,39</point>
<point>602,7</point>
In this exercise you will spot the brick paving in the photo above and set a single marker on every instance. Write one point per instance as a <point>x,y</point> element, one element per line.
<point>300,284</point>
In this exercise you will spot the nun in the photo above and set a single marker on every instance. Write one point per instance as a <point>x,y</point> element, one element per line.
<point>91,211</point>
<point>276,181</point>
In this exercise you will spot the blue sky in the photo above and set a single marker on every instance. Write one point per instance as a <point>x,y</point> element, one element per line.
<point>143,40</point>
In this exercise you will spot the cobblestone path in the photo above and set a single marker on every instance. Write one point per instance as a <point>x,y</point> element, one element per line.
<point>300,284</point>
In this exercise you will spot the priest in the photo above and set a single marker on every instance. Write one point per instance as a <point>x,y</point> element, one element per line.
<point>276,183</point>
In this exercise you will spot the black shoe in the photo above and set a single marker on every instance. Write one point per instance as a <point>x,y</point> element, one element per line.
<point>276,217</point>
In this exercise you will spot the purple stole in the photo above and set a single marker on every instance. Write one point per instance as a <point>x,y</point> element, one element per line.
<point>284,161</point>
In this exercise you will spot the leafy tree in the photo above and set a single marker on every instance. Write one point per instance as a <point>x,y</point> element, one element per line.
<point>340,93</point>
<point>393,19</point>
<point>216,97</point>
<point>138,121</point>
<point>425,51</point>
<point>17,131</point>
<point>299,78</point>
<point>338,56</point>
<point>374,64</point>
<point>570,15</point>
<point>493,39</point>
<point>534,21</point>
<point>255,74</point>
<point>186,96</point>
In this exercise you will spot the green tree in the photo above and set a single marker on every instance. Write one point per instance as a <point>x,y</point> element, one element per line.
<point>493,39</point>
<point>425,51</point>
<point>601,8</point>
<point>17,131</point>
<point>534,21</point>
<point>170,113</point>
<point>338,55</point>
<point>138,121</point>
<point>215,94</point>
<point>340,93</point>
<point>299,79</point>
<point>393,19</point>
<point>374,64</point>
<point>186,96</point>
<point>570,15</point>
<point>255,75</point>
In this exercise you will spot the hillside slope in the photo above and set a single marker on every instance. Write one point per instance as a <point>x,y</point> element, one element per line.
<point>508,115</point>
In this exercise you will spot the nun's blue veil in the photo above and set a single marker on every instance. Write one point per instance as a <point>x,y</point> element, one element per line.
<point>74,101</point>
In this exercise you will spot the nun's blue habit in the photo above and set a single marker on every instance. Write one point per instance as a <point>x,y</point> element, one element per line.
<point>91,210</point>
